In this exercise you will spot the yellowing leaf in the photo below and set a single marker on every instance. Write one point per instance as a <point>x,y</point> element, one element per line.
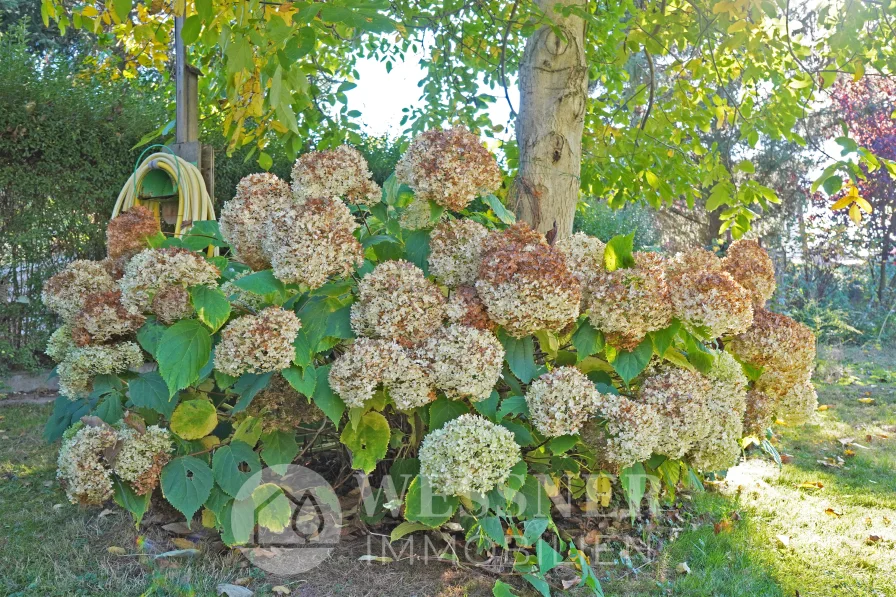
<point>861,202</point>
<point>855,214</point>
<point>811,485</point>
<point>737,26</point>
<point>866,400</point>
<point>182,543</point>
<point>117,551</point>
<point>841,203</point>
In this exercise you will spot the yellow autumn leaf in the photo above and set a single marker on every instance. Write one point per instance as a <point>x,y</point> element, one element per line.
<point>841,203</point>
<point>855,213</point>
<point>811,485</point>
<point>866,400</point>
<point>861,202</point>
<point>117,551</point>
<point>182,543</point>
<point>208,518</point>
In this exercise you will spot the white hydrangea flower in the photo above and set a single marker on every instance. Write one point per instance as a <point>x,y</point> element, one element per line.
<point>629,434</point>
<point>799,404</point>
<point>66,292</point>
<point>397,302</point>
<point>468,454</point>
<point>760,413</point>
<point>60,344</point>
<point>407,378</point>
<point>258,343</point>
<point>82,468</point>
<point>370,363</point>
<point>681,398</point>
<point>142,456</point>
<point>311,242</point>
<point>456,251</point>
<point>628,303</point>
<point>464,362</point>
<point>418,216</point>
<point>561,401</point>
<point>711,303</point>
<point>82,364</point>
<point>584,257</point>
<point>357,372</point>
<point>243,218</point>
<point>449,167</point>
<point>342,172</point>
<point>161,270</point>
<point>727,406</point>
<point>524,283</point>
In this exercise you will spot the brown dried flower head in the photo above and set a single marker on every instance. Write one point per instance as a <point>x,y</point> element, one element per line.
<point>397,302</point>
<point>752,268</point>
<point>775,341</point>
<point>282,408</point>
<point>104,318</point>
<point>258,343</point>
<point>66,292</point>
<point>450,167</point>
<point>465,307</point>
<point>524,282</point>
<point>127,234</point>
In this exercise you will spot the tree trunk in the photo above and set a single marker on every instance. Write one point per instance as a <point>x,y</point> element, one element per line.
<point>550,124</point>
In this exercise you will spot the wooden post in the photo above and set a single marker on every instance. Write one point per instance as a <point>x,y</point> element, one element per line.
<point>186,132</point>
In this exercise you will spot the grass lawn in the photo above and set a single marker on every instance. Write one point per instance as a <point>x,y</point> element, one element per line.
<point>821,526</point>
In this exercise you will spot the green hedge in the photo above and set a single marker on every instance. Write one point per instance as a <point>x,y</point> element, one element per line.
<point>65,151</point>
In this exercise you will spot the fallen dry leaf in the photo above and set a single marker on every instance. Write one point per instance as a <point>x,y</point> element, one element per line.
<point>723,526</point>
<point>786,458</point>
<point>872,539</point>
<point>783,541</point>
<point>117,551</point>
<point>683,568</point>
<point>183,543</point>
<point>592,537</point>
<point>833,512</point>
<point>849,452</point>
<point>234,590</point>
<point>280,590</point>
<point>867,400</point>
<point>811,485</point>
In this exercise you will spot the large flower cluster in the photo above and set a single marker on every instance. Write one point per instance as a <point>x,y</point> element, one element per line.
<point>308,243</point>
<point>752,268</point>
<point>561,401</point>
<point>468,454</point>
<point>128,233</point>
<point>775,341</point>
<point>142,455</point>
<point>799,404</point>
<point>243,218</point>
<point>727,405</point>
<point>584,257</point>
<point>156,281</point>
<point>524,283</point>
<point>82,467</point>
<point>449,167</point>
<point>258,343</point>
<point>628,303</point>
<point>104,318</point>
<point>282,408</point>
<point>82,364</point>
<point>369,363</point>
<point>342,172</point>
<point>681,398</point>
<point>66,293</point>
<point>711,303</point>
<point>464,362</point>
<point>397,302</point>
<point>629,434</point>
<point>456,251</point>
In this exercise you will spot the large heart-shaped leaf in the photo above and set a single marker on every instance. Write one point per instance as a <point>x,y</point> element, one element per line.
<point>186,484</point>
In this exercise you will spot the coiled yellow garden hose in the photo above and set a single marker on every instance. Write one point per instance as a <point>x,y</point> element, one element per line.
<point>194,203</point>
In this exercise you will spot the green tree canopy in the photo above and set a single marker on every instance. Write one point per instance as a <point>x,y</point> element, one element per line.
<point>662,76</point>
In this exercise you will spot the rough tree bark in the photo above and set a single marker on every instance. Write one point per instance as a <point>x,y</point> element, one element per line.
<point>550,123</point>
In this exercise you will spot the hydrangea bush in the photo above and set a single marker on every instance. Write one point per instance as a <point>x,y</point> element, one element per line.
<point>431,334</point>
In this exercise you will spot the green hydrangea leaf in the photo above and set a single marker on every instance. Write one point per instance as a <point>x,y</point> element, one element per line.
<point>368,442</point>
<point>186,484</point>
